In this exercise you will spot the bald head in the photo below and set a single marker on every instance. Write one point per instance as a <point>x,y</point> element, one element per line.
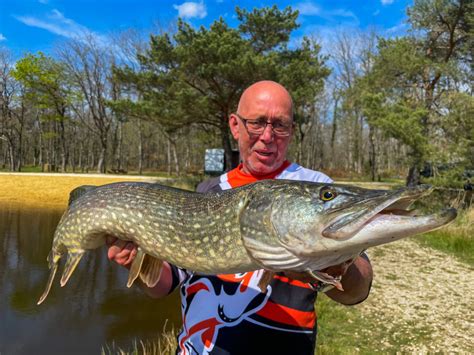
<point>270,103</point>
<point>262,91</point>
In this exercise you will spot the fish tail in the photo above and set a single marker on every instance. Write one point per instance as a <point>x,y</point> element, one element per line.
<point>53,259</point>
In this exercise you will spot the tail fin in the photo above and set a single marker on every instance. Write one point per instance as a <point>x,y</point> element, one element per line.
<point>53,259</point>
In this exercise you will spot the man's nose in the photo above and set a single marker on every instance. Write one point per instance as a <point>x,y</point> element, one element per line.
<point>267,134</point>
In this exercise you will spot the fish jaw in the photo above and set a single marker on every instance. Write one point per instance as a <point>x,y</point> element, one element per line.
<point>346,225</point>
<point>386,227</point>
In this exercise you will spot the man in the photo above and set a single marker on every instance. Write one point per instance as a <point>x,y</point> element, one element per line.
<point>229,314</point>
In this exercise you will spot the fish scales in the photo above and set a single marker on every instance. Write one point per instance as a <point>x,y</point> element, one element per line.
<point>277,225</point>
<point>179,226</point>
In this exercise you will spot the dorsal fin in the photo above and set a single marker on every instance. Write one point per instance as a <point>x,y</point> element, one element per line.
<point>79,191</point>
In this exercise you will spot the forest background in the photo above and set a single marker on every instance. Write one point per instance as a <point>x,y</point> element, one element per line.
<point>375,107</point>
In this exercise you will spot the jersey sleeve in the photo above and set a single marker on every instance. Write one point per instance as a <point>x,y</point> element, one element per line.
<point>178,276</point>
<point>210,185</point>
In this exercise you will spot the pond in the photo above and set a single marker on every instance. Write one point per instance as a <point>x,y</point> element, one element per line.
<point>93,310</point>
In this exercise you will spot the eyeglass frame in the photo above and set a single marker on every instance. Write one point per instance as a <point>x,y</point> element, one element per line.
<point>244,121</point>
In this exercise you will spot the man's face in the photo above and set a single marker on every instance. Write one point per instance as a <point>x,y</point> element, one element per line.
<point>263,154</point>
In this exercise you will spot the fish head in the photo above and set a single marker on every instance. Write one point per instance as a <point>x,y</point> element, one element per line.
<point>332,218</point>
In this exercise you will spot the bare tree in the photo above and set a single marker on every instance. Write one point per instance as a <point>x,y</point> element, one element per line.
<point>89,64</point>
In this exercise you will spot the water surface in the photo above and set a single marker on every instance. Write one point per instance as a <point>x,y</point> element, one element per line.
<point>95,308</point>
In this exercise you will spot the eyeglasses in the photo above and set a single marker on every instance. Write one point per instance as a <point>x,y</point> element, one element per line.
<point>257,127</point>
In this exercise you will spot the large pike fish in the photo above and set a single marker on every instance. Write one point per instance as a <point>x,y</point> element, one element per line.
<point>276,225</point>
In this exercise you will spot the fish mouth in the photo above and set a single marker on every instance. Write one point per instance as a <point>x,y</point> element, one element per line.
<point>387,206</point>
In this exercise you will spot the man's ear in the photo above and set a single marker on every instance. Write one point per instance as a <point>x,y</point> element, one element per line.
<point>234,126</point>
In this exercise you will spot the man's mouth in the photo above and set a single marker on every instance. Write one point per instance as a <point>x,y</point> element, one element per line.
<point>264,153</point>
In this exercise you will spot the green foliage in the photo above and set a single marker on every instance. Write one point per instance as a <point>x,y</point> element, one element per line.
<point>444,22</point>
<point>457,125</point>
<point>197,75</point>
<point>407,92</point>
<point>45,82</point>
<point>267,28</point>
<point>447,177</point>
<point>398,120</point>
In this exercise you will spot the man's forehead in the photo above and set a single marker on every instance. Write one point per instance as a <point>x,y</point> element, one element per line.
<point>266,104</point>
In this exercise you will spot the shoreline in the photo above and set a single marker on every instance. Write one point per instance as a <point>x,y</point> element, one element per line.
<point>45,190</point>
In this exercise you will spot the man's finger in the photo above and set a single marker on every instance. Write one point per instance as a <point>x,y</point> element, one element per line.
<point>132,255</point>
<point>115,249</point>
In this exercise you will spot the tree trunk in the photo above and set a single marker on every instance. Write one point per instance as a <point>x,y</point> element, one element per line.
<point>63,143</point>
<point>168,157</point>
<point>175,157</point>
<point>79,163</point>
<point>333,132</point>
<point>140,147</point>
<point>101,165</point>
<point>120,147</point>
<point>41,147</point>
<point>372,161</point>
<point>12,157</point>
<point>226,143</point>
<point>413,178</point>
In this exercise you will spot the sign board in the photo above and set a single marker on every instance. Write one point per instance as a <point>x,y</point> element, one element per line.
<point>214,161</point>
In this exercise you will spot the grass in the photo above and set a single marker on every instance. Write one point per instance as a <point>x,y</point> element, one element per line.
<point>46,191</point>
<point>164,345</point>
<point>456,239</point>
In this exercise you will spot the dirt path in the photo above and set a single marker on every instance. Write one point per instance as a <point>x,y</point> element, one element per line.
<point>422,295</point>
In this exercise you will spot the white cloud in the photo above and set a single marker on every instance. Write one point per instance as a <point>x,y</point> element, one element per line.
<point>191,9</point>
<point>387,2</point>
<point>55,22</point>
<point>308,8</point>
<point>2,37</point>
<point>342,13</point>
<point>398,30</point>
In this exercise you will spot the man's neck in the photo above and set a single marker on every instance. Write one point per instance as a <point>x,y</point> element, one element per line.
<point>245,171</point>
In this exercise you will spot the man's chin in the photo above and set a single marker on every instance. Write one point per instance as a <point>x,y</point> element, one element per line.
<point>261,168</point>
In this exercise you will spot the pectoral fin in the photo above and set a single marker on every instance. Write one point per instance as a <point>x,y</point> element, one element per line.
<point>147,267</point>
<point>151,271</point>
<point>73,258</point>
<point>136,267</point>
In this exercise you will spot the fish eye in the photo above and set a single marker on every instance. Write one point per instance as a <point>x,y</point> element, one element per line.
<point>327,194</point>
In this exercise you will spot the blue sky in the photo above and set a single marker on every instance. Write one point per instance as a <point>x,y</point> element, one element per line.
<point>37,25</point>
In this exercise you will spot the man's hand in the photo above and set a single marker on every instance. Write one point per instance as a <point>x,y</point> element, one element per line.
<point>335,271</point>
<point>356,280</point>
<point>123,253</point>
<point>120,251</point>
